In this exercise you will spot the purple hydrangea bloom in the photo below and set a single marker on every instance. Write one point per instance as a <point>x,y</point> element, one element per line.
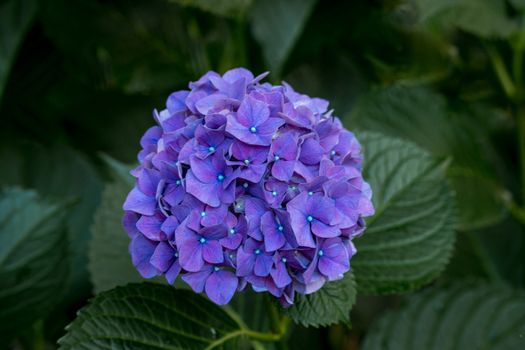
<point>243,183</point>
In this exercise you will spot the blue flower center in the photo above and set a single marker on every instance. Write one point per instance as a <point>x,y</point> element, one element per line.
<point>253,129</point>
<point>309,218</point>
<point>257,251</point>
<point>176,254</point>
<point>276,158</point>
<point>274,193</point>
<point>202,240</point>
<point>310,193</point>
<point>245,185</point>
<point>220,177</point>
<point>280,228</point>
<point>320,253</point>
<point>283,259</point>
<point>177,182</point>
<point>332,153</point>
<point>211,149</point>
<point>246,161</point>
<point>203,213</point>
<point>216,268</point>
<point>232,231</point>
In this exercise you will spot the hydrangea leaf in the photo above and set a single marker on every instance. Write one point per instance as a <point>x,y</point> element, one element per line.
<point>15,19</point>
<point>331,304</point>
<point>410,238</point>
<point>468,317</point>
<point>485,18</point>
<point>33,258</point>
<point>277,24</point>
<point>226,8</point>
<point>109,261</point>
<point>396,111</point>
<point>60,172</point>
<point>147,316</point>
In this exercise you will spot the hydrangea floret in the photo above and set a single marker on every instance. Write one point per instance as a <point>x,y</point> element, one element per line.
<point>243,183</point>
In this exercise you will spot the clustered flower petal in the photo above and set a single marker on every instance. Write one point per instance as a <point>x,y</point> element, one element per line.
<point>243,182</point>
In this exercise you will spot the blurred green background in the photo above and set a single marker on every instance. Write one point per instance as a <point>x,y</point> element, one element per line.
<point>80,78</point>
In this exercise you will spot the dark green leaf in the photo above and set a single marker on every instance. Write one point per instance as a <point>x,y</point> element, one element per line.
<point>60,172</point>
<point>331,304</point>
<point>474,317</point>
<point>410,238</point>
<point>109,261</point>
<point>485,18</point>
<point>150,316</point>
<point>277,24</point>
<point>15,19</point>
<point>33,258</point>
<point>227,8</point>
<point>420,115</point>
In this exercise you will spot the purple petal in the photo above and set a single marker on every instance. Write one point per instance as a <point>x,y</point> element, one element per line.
<point>252,112</point>
<point>280,275</point>
<point>197,280</point>
<point>141,250</point>
<point>163,256</point>
<point>204,169</point>
<point>190,249</point>
<point>212,252</point>
<point>176,101</point>
<point>301,229</point>
<point>263,264</point>
<point>148,181</point>
<point>169,226</point>
<point>311,152</point>
<point>173,272</point>
<point>285,147</point>
<point>245,262</point>
<point>232,241</point>
<point>214,216</point>
<point>269,127</point>
<point>206,192</point>
<point>322,230</point>
<point>150,227</point>
<point>140,203</point>
<point>273,238</point>
<point>221,286</point>
<point>283,169</point>
<point>335,260</point>
<point>129,221</point>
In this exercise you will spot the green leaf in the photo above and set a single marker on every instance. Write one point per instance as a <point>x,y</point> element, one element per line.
<point>15,19</point>
<point>484,18</point>
<point>410,238</point>
<point>331,304</point>
<point>150,316</point>
<point>474,317</point>
<point>421,116</point>
<point>60,172</point>
<point>227,8</point>
<point>109,261</point>
<point>277,24</point>
<point>33,258</point>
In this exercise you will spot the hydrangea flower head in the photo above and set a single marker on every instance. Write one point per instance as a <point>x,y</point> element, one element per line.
<point>246,184</point>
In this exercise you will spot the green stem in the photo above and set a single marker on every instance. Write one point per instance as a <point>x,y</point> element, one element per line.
<point>33,338</point>
<point>517,59</point>
<point>514,209</point>
<point>486,261</point>
<point>520,121</point>
<point>278,325</point>
<point>502,73</point>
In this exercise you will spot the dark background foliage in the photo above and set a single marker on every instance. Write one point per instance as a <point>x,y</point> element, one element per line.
<point>79,80</point>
